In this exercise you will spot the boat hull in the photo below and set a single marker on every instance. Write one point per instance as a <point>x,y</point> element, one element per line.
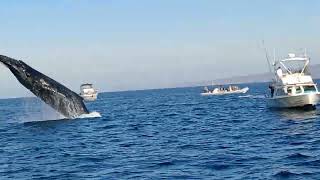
<point>240,91</point>
<point>303,100</point>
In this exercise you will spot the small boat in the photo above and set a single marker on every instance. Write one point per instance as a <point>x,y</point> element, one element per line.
<point>88,93</point>
<point>223,91</point>
<point>292,85</point>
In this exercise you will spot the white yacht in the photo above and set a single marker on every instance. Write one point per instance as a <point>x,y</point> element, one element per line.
<point>88,93</point>
<point>222,91</point>
<point>292,85</point>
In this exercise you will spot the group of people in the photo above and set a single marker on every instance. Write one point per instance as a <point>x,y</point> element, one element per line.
<point>221,88</point>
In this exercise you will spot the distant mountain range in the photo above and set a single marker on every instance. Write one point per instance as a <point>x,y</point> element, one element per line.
<point>253,78</point>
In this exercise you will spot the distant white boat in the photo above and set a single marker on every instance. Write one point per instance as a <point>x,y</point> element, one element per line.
<point>88,93</point>
<point>223,91</point>
<point>293,86</point>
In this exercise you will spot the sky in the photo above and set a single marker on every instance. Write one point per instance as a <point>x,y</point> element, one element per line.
<point>127,45</point>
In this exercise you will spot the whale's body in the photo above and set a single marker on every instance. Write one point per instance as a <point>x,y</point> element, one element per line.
<point>56,95</point>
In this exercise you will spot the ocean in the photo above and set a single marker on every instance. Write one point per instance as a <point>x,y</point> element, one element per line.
<point>161,134</point>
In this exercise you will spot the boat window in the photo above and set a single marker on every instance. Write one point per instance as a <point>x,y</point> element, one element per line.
<point>309,89</point>
<point>280,92</point>
<point>298,89</point>
<point>86,86</point>
<point>289,90</point>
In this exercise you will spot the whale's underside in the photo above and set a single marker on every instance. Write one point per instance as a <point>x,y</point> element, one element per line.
<point>56,95</point>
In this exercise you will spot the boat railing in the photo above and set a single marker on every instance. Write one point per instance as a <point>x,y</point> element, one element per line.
<point>297,84</point>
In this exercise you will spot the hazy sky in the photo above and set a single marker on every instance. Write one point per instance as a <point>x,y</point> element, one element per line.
<point>122,45</point>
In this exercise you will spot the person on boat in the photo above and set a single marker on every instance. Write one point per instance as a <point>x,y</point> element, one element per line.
<point>271,89</point>
<point>216,90</point>
<point>279,72</point>
<point>205,89</point>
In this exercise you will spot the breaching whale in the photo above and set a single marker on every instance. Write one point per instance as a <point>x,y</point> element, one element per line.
<point>56,95</point>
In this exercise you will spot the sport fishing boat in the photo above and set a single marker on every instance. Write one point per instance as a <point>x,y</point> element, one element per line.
<point>292,85</point>
<point>88,93</point>
<point>221,91</point>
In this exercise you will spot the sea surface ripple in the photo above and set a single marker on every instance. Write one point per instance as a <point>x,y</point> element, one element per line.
<point>154,134</point>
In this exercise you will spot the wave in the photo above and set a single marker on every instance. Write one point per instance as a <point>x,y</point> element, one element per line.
<point>218,166</point>
<point>253,96</point>
<point>297,156</point>
<point>314,163</point>
<point>287,174</point>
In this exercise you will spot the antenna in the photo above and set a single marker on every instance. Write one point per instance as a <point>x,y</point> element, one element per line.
<point>274,55</point>
<point>305,52</point>
<point>267,56</point>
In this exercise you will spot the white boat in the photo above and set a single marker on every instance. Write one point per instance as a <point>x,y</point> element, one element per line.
<point>292,85</point>
<point>223,91</point>
<point>88,93</point>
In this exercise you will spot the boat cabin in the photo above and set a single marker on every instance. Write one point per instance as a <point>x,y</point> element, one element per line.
<point>292,77</point>
<point>292,90</point>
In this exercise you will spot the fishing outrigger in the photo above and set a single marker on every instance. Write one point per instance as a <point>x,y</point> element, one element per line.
<point>292,85</point>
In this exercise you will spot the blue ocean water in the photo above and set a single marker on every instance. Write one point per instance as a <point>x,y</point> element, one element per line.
<point>153,134</point>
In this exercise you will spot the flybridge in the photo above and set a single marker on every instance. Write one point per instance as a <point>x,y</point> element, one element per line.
<point>301,62</point>
<point>292,70</point>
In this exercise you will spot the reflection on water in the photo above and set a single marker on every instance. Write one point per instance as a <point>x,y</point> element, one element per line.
<point>172,133</point>
<point>298,114</point>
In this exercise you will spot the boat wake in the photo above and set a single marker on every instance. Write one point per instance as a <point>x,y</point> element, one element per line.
<point>253,96</point>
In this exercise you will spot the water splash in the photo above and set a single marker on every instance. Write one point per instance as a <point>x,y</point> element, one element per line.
<point>93,114</point>
<point>35,110</point>
<point>61,117</point>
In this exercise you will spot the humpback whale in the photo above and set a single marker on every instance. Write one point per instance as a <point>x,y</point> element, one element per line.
<point>56,95</point>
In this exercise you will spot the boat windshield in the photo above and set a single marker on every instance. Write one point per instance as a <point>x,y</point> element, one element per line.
<point>291,90</point>
<point>309,88</point>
